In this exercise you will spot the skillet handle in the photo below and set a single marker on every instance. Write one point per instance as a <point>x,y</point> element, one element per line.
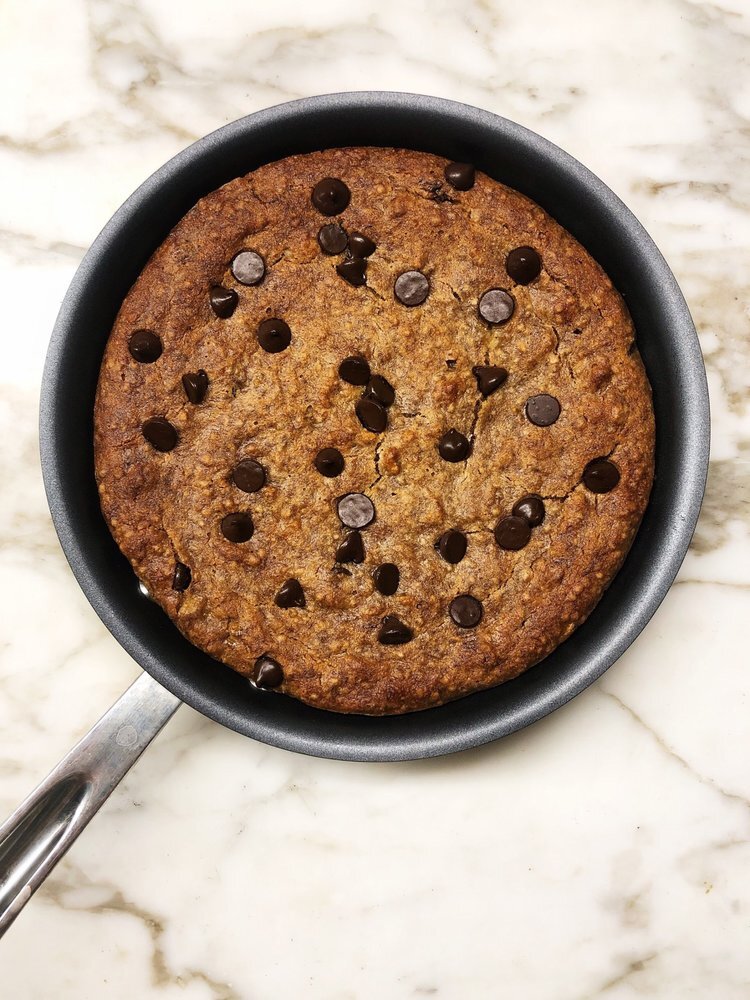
<point>47,823</point>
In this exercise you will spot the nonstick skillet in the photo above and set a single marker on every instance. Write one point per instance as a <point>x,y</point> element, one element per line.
<point>47,823</point>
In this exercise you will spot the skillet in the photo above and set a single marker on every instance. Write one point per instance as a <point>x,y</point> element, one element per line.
<point>40,831</point>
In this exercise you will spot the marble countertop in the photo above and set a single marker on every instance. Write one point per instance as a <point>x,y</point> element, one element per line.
<point>603,853</point>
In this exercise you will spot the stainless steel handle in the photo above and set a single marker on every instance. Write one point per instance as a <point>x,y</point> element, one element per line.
<point>47,823</point>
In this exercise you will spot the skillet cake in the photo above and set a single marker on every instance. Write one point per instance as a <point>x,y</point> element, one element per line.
<point>373,430</point>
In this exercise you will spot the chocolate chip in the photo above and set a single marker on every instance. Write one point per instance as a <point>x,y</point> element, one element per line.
<point>496,306</point>
<point>489,378</point>
<point>355,510</point>
<point>329,462</point>
<point>145,346</point>
<point>274,335</point>
<point>351,549</point>
<point>523,265</point>
<point>393,632</point>
<point>466,611</point>
<point>195,385</point>
<point>330,196</point>
<point>452,546</point>
<point>460,176</point>
<point>512,532</point>
<point>182,576</point>
<point>249,475</point>
<point>386,578</point>
<point>159,433</point>
<point>372,415</point>
<point>248,267</point>
<point>332,238</point>
<point>380,389</point>
<point>601,476</point>
<point>411,288</point>
<point>542,410</point>
<point>453,446</point>
<point>223,301</point>
<point>354,370</point>
<point>237,527</point>
<point>530,507</point>
<point>361,245</point>
<point>267,672</point>
<point>353,271</point>
<point>290,595</point>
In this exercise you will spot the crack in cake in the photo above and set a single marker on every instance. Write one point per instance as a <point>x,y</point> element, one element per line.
<point>373,430</point>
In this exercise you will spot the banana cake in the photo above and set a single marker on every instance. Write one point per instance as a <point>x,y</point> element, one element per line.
<point>373,429</point>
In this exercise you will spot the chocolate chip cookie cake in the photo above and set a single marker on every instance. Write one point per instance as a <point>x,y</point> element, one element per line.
<point>373,429</point>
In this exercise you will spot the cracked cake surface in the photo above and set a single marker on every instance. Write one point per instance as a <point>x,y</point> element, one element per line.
<point>373,430</point>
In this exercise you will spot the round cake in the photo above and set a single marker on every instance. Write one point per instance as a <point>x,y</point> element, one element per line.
<point>373,429</point>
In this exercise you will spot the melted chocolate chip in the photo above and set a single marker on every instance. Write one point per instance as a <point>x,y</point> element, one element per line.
<point>496,306</point>
<point>453,446</point>
<point>223,301</point>
<point>361,245</point>
<point>248,267</point>
<point>372,415</point>
<point>351,549</point>
<point>393,632</point>
<point>530,507</point>
<point>290,595</point>
<point>380,389</point>
<point>452,546</point>
<point>267,672</point>
<point>274,335</point>
<point>523,265</point>
<point>332,239</point>
<point>355,510</point>
<point>411,288</point>
<point>145,346</point>
<point>512,532</point>
<point>542,410</point>
<point>386,578</point>
<point>354,370</point>
<point>159,433</point>
<point>182,577</point>
<point>460,176</point>
<point>601,476</point>
<point>353,271</point>
<point>489,378</point>
<point>237,527</point>
<point>329,462</point>
<point>330,196</point>
<point>466,611</point>
<point>249,475</point>
<point>195,385</point>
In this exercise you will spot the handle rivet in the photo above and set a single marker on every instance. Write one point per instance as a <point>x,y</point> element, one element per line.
<point>127,736</point>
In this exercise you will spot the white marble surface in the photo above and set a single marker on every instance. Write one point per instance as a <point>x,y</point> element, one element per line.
<point>603,853</point>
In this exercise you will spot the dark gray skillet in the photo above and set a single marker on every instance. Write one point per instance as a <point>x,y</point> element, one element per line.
<point>47,823</point>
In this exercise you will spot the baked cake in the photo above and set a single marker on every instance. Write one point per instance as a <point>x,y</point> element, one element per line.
<point>373,429</point>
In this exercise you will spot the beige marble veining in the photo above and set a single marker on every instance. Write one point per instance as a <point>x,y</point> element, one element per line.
<point>601,854</point>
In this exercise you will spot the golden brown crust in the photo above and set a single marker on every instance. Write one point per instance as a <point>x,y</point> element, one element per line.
<point>570,336</point>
